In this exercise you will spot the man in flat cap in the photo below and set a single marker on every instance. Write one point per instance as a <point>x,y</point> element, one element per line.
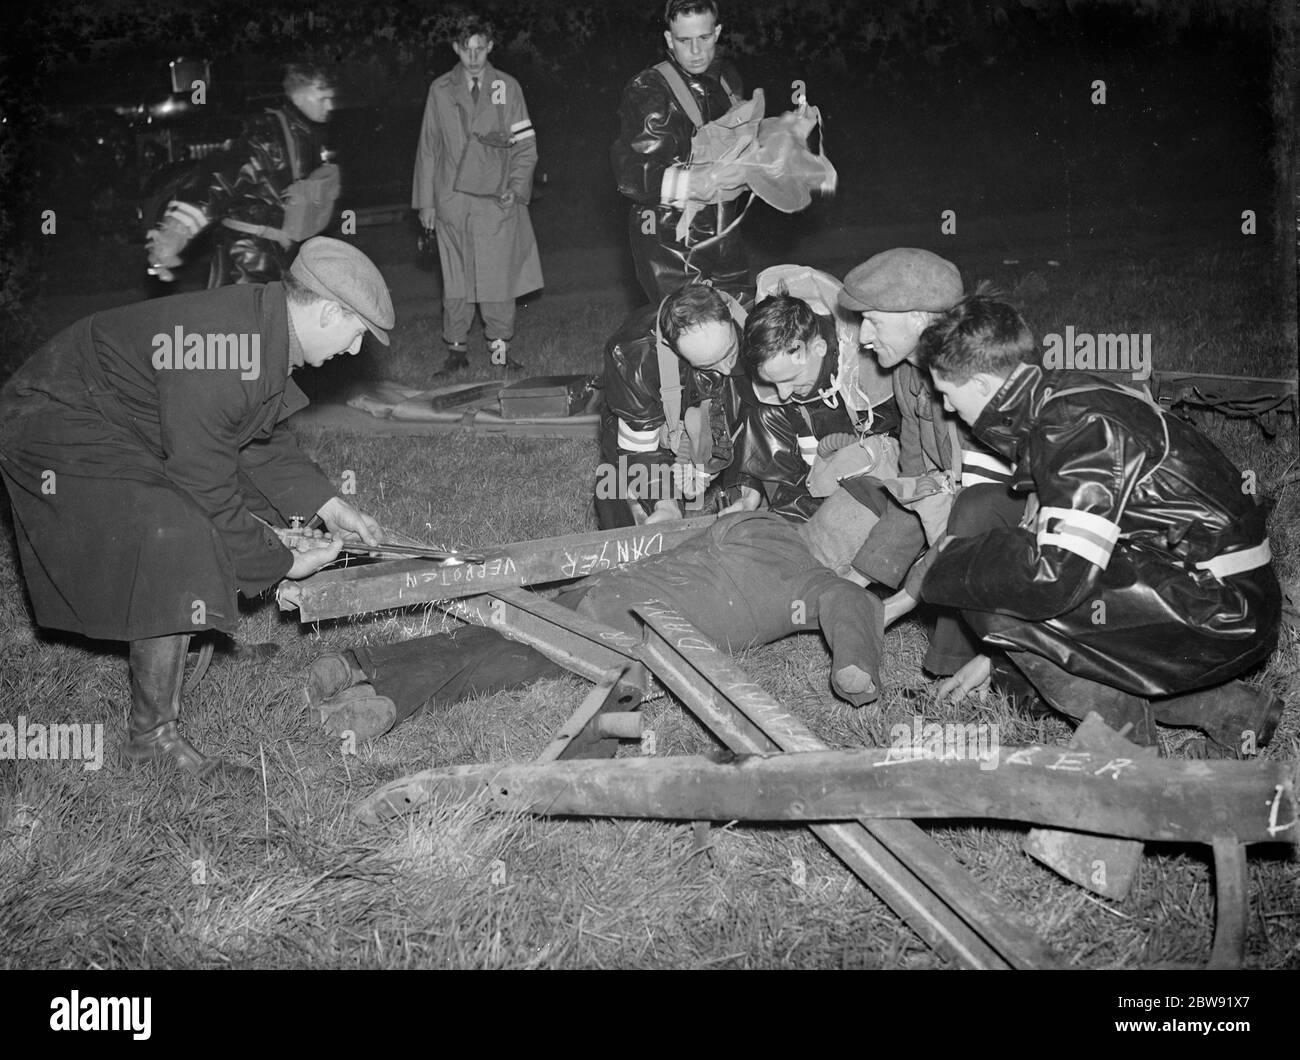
<point>900,293</point>
<point>148,467</point>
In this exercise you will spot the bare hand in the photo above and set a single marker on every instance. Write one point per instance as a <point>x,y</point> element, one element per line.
<point>973,677</point>
<point>507,199</point>
<point>428,218</point>
<point>311,550</point>
<point>747,502</point>
<point>665,512</point>
<point>343,519</point>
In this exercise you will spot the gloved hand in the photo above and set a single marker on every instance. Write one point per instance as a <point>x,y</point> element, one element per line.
<point>833,443</point>
<point>690,480</point>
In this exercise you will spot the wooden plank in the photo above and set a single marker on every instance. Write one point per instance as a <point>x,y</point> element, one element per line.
<point>925,885</point>
<point>864,855</point>
<point>587,648</point>
<point>600,698</point>
<point>1137,798</point>
<point>1231,903</point>
<point>398,583</point>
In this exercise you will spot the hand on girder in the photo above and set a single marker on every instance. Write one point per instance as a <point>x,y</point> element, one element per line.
<point>343,519</point>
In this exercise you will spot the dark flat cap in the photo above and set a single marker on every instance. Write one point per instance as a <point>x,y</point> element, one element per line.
<point>900,280</point>
<point>339,271</point>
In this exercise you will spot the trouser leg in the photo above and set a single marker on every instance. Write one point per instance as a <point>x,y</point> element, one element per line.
<point>457,316</point>
<point>1076,696</point>
<point>498,319</point>
<point>852,621</point>
<point>976,510</point>
<point>445,668</point>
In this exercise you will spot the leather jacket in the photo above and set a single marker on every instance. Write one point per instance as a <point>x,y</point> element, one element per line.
<point>247,183</point>
<point>779,442</point>
<point>655,133</point>
<point>633,411</point>
<point>1142,565</point>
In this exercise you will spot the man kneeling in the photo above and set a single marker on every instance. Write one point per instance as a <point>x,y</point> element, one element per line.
<point>749,578</point>
<point>1140,582</point>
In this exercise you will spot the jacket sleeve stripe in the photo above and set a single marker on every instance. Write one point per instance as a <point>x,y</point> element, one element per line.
<point>675,186</point>
<point>635,441</point>
<point>1082,533</point>
<point>978,467</point>
<point>808,449</point>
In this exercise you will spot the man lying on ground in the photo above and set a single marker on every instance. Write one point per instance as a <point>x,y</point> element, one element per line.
<point>1139,583</point>
<point>749,578</point>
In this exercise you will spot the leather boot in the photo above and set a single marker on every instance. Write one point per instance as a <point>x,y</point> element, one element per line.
<point>1076,696</point>
<point>457,358</point>
<point>331,674</point>
<point>157,674</point>
<point>1235,716</point>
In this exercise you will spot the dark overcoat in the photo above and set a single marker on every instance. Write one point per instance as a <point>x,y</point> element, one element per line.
<point>139,468</point>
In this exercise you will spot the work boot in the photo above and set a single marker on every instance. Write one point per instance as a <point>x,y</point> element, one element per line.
<point>1234,717</point>
<point>457,358</point>
<point>157,673</point>
<point>1076,697</point>
<point>499,355</point>
<point>331,674</point>
<point>359,710</point>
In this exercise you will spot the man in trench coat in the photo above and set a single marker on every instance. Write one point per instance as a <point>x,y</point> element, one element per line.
<point>146,460</point>
<point>473,179</point>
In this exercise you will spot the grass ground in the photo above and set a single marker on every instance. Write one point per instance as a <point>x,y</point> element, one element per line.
<point>139,869</point>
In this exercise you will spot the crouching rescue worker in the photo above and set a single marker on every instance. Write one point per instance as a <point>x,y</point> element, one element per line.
<point>822,410</point>
<point>749,578</point>
<point>671,408</point>
<point>1139,583</point>
<point>146,460</point>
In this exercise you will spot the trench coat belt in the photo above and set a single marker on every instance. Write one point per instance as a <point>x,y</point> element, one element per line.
<point>263,231</point>
<point>1238,562</point>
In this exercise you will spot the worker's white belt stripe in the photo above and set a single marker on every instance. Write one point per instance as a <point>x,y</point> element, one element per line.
<point>675,186</point>
<point>978,467</point>
<point>808,449</point>
<point>194,219</point>
<point>635,441</point>
<point>1082,533</point>
<point>1238,562</point>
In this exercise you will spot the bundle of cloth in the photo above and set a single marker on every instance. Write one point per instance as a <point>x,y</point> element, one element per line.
<point>743,150</point>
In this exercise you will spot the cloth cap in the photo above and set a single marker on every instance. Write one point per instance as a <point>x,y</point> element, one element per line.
<point>339,271</point>
<point>901,280</point>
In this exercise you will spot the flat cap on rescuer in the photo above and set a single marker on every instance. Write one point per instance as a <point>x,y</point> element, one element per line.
<point>901,280</point>
<point>338,271</point>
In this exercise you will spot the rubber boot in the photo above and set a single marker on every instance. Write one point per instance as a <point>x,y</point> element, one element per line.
<point>1237,717</point>
<point>1076,697</point>
<point>157,674</point>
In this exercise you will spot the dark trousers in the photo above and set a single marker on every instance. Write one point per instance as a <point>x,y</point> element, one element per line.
<point>977,509</point>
